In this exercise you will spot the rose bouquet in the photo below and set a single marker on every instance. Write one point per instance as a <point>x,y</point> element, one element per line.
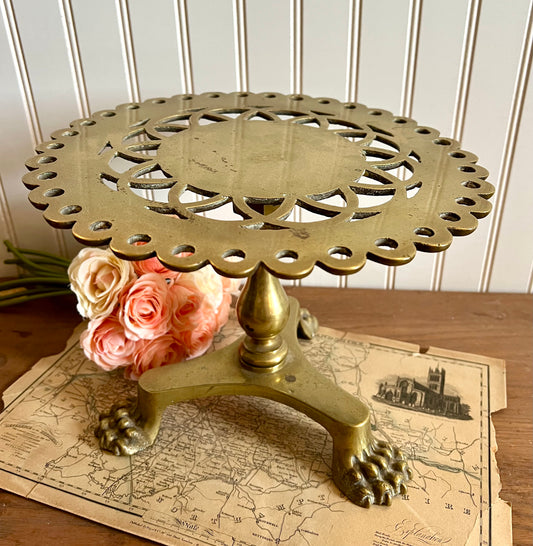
<point>143,315</point>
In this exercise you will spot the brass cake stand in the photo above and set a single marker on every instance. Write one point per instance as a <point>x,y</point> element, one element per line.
<point>263,186</point>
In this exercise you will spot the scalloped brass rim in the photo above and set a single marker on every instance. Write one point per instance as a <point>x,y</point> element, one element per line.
<point>441,191</point>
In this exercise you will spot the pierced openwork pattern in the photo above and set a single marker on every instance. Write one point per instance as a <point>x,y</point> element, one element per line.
<point>241,178</point>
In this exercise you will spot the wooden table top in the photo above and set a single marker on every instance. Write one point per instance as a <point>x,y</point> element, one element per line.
<point>496,325</point>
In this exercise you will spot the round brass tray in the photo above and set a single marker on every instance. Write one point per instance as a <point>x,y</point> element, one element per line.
<point>239,179</point>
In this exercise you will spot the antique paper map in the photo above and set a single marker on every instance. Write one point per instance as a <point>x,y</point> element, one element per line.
<point>244,471</point>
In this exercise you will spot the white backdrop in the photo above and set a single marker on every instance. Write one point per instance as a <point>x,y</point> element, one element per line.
<point>462,66</point>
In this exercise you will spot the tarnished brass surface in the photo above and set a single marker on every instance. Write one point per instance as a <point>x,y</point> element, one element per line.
<point>304,181</point>
<point>263,311</point>
<point>365,470</point>
<point>261,186</point>
<point>308,325</point>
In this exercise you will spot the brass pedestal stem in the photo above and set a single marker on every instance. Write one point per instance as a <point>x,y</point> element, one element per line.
<point>263,312</point>
<point>365,470</point>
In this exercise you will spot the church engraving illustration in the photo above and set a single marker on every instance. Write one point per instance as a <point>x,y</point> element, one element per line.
<point>430,396</point>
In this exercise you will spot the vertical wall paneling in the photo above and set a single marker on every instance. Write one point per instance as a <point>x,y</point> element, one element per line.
<point>441,40</point>
<point>511,135</point>
<point>182,24</point>
<point>383,41</point>
<point>241,50</point>
<point>128,53</point>
<point>269,41</point>
<point>296,45</point>
<point>462,66</point>
<point>48,69</point>
<point>7,225</point>
<point>10,103</point>
<point>411,53</point>
<point>73,50</point>
<point>325,48</point>
<point>15,45</point>
<point>465,72</point>
<point>513,255</point>
<point>101,53</point>
<point>21,132</point>
<point>490,96</point>
<point>354,44</point>
<point>381,60</point>
<point>212,45</point>
<point>155,46</point>
<point>408,83</point>
<point>7,231</point>
<point>441,33</point>
<point>54,84</point>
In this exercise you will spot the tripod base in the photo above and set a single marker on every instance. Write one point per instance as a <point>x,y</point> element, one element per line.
<point>365,470</point>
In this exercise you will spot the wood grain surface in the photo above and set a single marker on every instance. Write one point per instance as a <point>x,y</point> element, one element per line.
<point>496,325</point>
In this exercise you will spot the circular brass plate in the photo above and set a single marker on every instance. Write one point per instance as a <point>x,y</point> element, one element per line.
<point>261,160</point>
<point>240,179</point>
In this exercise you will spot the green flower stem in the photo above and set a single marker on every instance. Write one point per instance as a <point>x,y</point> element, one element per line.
<point>34,296</point>
<point>22,291</point>
<point>48,255</point>
<point>52,274</point>
<point>25,261</point>
<point>52,257</point>
<point>25,281</point>
<point>47,274</point>
<point>16,261</point>
<point>43,276</point>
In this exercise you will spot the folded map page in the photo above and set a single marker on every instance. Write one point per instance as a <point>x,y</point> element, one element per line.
<point>248,471</point>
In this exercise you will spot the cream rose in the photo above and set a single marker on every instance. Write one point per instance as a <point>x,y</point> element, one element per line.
<point>146,308</point>
<point>97,277</point>
<point>222,313</point>
<point>105,344</point>
<point>206,282</point>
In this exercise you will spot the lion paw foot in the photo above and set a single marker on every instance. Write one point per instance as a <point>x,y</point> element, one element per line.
<point>376,477</point>
<point>118,433</point>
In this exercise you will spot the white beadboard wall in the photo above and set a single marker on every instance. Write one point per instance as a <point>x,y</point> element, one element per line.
<point>462,66</point>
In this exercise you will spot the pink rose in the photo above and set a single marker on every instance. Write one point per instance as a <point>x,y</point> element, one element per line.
<point>197,333</point>
<point>201,308</point>
<point>97,277</point>
<point>153,265</point>
<point>105,343</point>
<point>153,353</point>
<point>185,301</point>
<point>146,308</point>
